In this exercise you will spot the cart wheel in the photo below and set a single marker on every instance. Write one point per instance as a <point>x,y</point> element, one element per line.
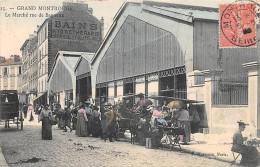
<point>17,122</point>
<point>5,123</point>
<point>21,120</point>
<point>117,132</point>
<point>21,124</point>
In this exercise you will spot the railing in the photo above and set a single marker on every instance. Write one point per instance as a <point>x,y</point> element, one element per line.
<point>199,79</point>
<point>231,91</point>
<point>181,93</point>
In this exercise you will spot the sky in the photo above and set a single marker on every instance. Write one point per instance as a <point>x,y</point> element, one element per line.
<point>15,30</point>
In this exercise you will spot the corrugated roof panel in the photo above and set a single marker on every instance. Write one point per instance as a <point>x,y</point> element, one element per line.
<point>197,14</point>
<point>72,61</point>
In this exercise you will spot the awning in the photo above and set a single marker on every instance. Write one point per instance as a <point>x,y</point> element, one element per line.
<point>41,94</point>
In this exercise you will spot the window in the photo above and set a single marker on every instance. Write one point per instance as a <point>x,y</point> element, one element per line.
<point>12,82</point>
<point>46,48</point>
<point>46,33</point>
<point>8,97</point>
<point>12,71</point>
<point>5,83</point>
<point>40,55</point>
<point>20,70</point>
<point>42,68</point>
<point>45,84</point>
<point>5,71</point>
<point>45,66</point>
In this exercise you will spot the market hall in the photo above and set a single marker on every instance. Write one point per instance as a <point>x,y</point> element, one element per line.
<point>163,49</point>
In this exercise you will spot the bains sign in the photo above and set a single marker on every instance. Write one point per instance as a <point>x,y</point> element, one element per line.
<point>75,30</point>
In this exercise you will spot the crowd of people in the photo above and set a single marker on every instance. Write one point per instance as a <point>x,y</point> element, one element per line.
<point>176,115</point>
<point>85,119</point>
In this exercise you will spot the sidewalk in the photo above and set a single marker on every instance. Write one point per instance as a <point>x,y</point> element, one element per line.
<point>2,159</point>
<point>211,146</point>
<point>220,152</point>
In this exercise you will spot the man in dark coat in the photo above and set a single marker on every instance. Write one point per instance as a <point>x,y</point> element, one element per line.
<point>25,109</point>
<point>111,121</point>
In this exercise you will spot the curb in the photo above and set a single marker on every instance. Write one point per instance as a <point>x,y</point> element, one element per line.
<point>205,155</point>
<point>198,153</point>
<point>3,162</point>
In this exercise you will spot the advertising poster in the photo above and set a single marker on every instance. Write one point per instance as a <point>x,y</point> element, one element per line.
<point>129,83</point>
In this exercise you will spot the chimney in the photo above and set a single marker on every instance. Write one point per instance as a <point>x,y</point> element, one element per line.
<point>2,59</point>
<point>90,10</point>
<point>16,58</point>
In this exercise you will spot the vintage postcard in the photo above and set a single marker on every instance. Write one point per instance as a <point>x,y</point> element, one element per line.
<point>129,83</point>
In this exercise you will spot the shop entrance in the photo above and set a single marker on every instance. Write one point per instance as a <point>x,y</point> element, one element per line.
<point>172,83</point>
<point>129,92</point>
<point>84,88</point>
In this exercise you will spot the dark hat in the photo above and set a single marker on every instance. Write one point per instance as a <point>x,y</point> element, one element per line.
<point>242,122</point>
<point>95,108</point>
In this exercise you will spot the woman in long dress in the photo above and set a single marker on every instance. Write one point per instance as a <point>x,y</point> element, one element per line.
<point>30,108</point>
<point>250,155</point>
<point>82,119</point>
<point>46,125</point>
<point>183,120</point>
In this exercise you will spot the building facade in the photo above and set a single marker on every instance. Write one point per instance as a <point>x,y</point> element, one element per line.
<point>83,77</point>
<point>163,49</point>
<point>11,74</point>
<point>73,29</point>
<point>62,79</point>
<point>69,80</point>
<point>30,75</point>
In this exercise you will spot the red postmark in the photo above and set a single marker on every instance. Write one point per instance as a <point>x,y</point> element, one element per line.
<point>237,25</point>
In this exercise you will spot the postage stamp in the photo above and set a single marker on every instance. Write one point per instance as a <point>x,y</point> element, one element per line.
<point>237,25</point>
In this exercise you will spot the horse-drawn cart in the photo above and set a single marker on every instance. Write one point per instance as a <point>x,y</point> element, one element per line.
<point>9,108</point>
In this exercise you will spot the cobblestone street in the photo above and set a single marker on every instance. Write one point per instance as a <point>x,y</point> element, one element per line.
<point>25,148</point>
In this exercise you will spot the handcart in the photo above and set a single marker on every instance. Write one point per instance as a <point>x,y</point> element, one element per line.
<point>171,136</point>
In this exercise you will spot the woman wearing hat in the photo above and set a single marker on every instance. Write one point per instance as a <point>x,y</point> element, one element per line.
<point>183,120</point>
<point>82,119</point>
<point>46,125</point>
<point>250,155</point>
<point>89,115</point>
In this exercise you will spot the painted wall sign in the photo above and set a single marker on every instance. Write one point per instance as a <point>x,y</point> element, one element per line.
<point>76,30</point>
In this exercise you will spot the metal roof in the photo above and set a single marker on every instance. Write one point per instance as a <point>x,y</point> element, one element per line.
<point>186,13</point>
<point>196,14</point>
<point>71,61</point>
<point>180,10</point>
<point>71,58</point>
<point>88,56</point>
